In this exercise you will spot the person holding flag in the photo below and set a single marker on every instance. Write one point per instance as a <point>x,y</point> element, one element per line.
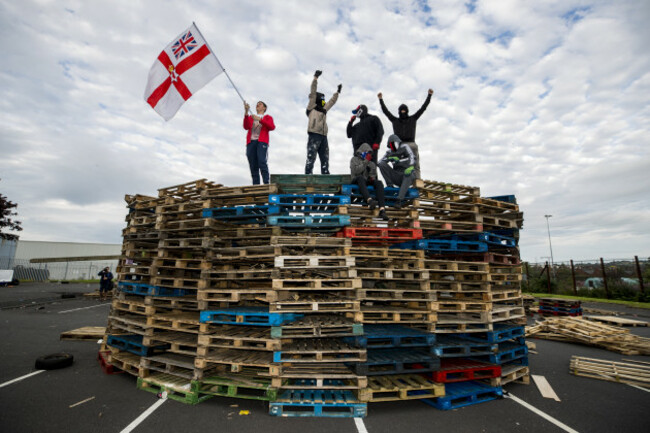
<point>257,141</point>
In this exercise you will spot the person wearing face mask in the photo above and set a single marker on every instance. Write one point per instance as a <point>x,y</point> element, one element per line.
<point>257,141</point>
<point>368,130</point>
<point>364,173</point>
<point>402,172</point>
<point>404,125</point>
<point>317,110</point>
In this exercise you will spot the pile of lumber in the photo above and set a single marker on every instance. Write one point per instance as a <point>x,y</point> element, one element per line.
<point>592,333</point>
<point>296,290</point>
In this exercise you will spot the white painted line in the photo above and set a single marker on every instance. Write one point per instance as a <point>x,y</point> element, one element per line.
<point>21,378</point>
<point>639,387</point>
<point>143,416</point>
<point>540,413</point>
<point>84,308</point>
<point>361,427</point>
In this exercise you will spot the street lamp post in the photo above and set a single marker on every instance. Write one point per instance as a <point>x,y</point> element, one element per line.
<point>550,246</point>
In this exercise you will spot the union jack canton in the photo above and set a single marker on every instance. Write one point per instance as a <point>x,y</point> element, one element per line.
<point>184,45</point>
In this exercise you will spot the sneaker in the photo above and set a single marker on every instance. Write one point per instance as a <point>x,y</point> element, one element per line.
<point>382,214</point>
<point>372,204</point>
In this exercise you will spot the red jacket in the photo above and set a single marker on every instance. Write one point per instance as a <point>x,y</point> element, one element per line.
<point>267,125</point>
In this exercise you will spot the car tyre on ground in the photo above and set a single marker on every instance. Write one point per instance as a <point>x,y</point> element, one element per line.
<point>54,361</point>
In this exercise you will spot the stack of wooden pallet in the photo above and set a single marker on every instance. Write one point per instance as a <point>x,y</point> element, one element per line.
<point>297,294</point>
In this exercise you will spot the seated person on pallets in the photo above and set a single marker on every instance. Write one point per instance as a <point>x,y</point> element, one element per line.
<point>402,172</point>
<point>364,173</point>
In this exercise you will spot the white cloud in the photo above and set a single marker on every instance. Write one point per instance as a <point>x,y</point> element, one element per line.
<point>547,101</point>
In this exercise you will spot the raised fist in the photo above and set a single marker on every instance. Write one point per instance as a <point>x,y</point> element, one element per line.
<point>339,88</point>
<point>379,95</point>
<point>430,91</point>
<point>317,73</point>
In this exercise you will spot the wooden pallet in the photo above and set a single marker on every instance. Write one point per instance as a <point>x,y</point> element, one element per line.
<point>87,333</point>
<point>400,387</point>
<point>632,373</point>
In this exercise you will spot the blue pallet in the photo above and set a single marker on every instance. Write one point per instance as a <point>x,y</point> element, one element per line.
<point>444,246</point>
<point>132,343</point>
<point>149,290</point>
<point>309,203</point>
<point>397,361</point>
<point>390,193</point>
<point>506,198</point>
<point>461,394</point>
<point>500,333</point>
<point>491,239</point>
<point>242,214</point>
<point>390,335</point>
<point>560,309</point>
<point>318,403</point>
<point>508,352</point>
<point>452,346</point>
<point>255,316</point>
<point>309,222</point>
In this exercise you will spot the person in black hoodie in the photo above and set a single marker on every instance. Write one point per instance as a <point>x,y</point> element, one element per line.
<point>404,125</point>
<point>105,283</point>
<point>401,173</point>
<point>368,130</point>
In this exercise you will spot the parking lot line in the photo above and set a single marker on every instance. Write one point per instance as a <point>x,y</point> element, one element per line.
<point>540,413</point>
<point>84,308</point>
<point>143,416</point>
<point>361,427</point>
<point>18,379</point>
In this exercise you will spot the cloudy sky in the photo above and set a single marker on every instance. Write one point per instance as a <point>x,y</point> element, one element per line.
<point>546,100</point>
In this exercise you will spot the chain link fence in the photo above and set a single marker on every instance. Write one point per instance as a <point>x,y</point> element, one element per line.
<point>625,279</point>
<point>56,271</point>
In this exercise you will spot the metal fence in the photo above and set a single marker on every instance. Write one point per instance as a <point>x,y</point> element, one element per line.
<point>609,277</point>
<point>81,270</point>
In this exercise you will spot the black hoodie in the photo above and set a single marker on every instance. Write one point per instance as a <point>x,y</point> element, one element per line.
<point>404,127</point>
<point>368,130</point>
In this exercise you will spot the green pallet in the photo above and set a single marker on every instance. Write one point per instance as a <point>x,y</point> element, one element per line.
<point>177,388</point>
<point>310,183</point>
<point>243,386</point>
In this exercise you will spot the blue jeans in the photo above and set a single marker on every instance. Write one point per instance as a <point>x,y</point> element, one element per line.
<point>257,153</point>
<point>317,145</point>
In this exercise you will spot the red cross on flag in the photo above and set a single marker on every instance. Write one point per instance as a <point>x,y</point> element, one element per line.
<point>181,69</point>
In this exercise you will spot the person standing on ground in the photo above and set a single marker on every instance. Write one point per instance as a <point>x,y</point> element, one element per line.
<point>364,173</point>
<point>105,283</point>
<point>401,174</point>
<point>257,141</point>
<point>404,125</point>
<point>369,130</point>
<point>317,110</point>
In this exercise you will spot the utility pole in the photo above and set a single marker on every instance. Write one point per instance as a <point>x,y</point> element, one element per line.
<point>550,246</point>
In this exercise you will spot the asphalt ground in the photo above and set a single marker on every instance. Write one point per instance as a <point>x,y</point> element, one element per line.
<point>42,402</point>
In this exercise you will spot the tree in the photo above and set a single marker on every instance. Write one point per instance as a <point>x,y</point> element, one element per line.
<point>6,221</point>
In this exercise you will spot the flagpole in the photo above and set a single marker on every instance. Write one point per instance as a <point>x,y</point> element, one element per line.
<point>215,56</point>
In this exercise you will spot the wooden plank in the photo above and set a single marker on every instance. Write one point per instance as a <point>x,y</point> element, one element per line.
<point>618,321</point>
<point>544,387</point>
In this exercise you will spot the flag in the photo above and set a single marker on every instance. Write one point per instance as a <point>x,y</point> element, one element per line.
<point>182,69</point>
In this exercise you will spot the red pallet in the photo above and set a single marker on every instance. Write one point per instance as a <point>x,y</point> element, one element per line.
<point>106,367</point>
<point>460,370</point>
<point>381,235</point>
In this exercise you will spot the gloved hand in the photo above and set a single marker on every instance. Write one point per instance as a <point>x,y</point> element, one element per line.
<point>352,118</point>
<point>393,158</point>
<point>368,156</point>
<point>339,89</point>
<point>409,170</point>
<point>375,146</point>
<point>317,73</point>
